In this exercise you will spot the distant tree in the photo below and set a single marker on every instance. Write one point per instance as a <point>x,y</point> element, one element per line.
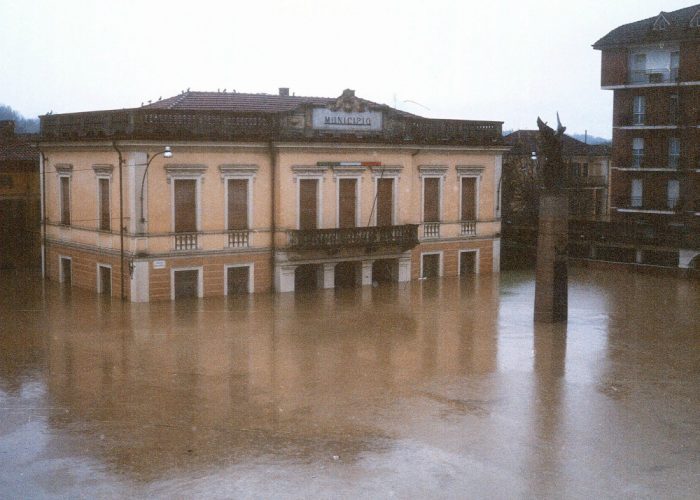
<point>521,189</point>
<point>22,124</point>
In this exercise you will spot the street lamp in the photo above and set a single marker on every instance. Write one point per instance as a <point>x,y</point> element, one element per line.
<point>167,153</point>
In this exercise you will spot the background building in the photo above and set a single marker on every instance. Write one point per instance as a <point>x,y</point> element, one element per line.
<point>653,68</point>
<point>19,200</point>
<point>215,193</point>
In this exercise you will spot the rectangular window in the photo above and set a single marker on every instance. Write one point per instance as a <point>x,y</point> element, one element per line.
<point>639,69</point>
<point>65,200</point>
<point>185,205</point>
<point>308,204</point>
<point>237,204</point>
<point>674,152</point>
<point>636,195</point>
<point>347,203</point>
<point>431,199</point>
<point>673,193</point>
<point>674,110</point>
<point>675,61</point>
<point>468,198</point>
<point>637,152</point>
<point>385,202</point>
<point>103,193</point>
<point>638,110</point>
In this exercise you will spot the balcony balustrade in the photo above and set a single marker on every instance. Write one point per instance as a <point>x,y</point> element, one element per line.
<point>405,237</point>
<point>639,203</point>
<point>185,241</point>
<point>431,229</point>
<point>238,238</point>
<point>653,75</point>
<point>468,227</point>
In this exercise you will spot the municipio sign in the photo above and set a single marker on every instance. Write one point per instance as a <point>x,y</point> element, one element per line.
<point>326,119</point>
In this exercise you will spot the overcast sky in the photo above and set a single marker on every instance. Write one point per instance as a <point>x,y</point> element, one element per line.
<point>501,60</point>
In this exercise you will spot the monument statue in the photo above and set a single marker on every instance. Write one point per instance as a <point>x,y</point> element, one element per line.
<point>551,278</point>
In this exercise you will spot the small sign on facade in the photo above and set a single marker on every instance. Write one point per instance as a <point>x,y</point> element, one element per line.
<point>326,119</point>
<point>158,264</point>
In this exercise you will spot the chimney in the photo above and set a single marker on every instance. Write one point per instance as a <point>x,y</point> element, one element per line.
<point>7,128</point>
<point>284,91</point>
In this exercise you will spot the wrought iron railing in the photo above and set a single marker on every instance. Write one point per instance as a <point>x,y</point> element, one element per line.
<point>468,227</point>
<point>405,236</point>
<point>431,229</point>
<point>238,238</point>
<point>185,241</point>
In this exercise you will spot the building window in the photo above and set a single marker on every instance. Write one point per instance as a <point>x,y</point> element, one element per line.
<point>308,203</point>
<point>431,199</point>
<point>674,152</point>
<point>185,205</point>
<point>673,191</point>
<point>637,152</point>
<point>64,188</point>
<point>385,202</point>
<point>639,69</point>
<point>636,194</point>
<point>468,201</point>
<point>638,110</point>
<point>674,110</point>
<point>675,61</point>
<point>186,184</point>
<point>347,202</point>
<point>103,201</point>
<point>237,203</point>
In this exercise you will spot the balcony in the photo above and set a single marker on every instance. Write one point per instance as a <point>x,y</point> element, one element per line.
<point>587,181</point>
<point>431,230</point>
<point>405,237</point>
<point>638,234</point>
<point>639,203</point>
<point>185,241</point>
<point>467,228</point>
<point>238,238</point>
<point>672,162</point>
<point>652,76</point>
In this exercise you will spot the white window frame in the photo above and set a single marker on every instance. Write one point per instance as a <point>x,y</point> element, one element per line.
<point>674,151</point>
<point>61,277</point>
<point>200,279</point>
<point>186,172</point>
<point>310,173</point>
<point>393,173</point>
<point>240,172</point>
<point>65,170</point>
<point>440,265</point>
<point>636,182</point>
<point>637,152</point>
<point>103,172</point>
<point>251,277</point>
<point>432,172</point>
<point>99,276</point>
<point>477,258</point>
<point>638,110</point>
<point>676,191</point>
<point>474,172</point>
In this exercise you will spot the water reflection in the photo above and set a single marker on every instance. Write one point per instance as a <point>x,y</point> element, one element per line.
<point>442,385</point>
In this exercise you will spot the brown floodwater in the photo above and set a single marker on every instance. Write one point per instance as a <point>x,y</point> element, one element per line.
<point>439,388</point>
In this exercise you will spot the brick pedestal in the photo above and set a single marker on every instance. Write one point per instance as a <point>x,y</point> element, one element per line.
<point>551,280</point>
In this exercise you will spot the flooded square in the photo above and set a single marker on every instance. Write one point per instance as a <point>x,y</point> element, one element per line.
<point>439,387</point>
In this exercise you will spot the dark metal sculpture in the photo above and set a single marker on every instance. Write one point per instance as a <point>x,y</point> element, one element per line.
<point>552,168</point>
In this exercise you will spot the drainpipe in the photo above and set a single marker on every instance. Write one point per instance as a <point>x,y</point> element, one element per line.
<point>121,222</point>
<point>273,219</point>
<point>42,171</point>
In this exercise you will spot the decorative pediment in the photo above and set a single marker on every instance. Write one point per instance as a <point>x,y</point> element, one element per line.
<point>349,103</point>
<point>470,170</point>
<point>237,170</point>
<point>432,170</point>
<point>103,170</point>
<point>63,168</point>
<point>661,22</point>
<point>348,171</point>
<point>387,171</point>
<point>309,170</point>
<point>174,171</point>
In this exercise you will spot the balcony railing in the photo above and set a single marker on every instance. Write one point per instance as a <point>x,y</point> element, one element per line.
<point>623,232</point>
<point>185,241</point>
<point>238,238</point>
<point>587,181</point>
<point>639,203</point>
<point>431,229</point>
<point>653,75</point>
<point>468,227</point>
<point>405,236</point>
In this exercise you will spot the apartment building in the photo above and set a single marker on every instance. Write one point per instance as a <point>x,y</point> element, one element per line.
<point>652,67</point>
<point>220,193</point>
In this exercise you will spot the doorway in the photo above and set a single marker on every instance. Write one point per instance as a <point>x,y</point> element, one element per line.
<point>186,283</point>
<point>104,280</point>
<point>66,272</point>
<point>238,280</point>
<point>467,263</point>
<point>430,265</point>
<point>306,277</point>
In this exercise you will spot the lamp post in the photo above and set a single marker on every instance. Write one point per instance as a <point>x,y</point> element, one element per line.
<point>167,153</point>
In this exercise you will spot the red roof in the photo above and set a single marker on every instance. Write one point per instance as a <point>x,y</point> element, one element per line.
<point>240,102</point>
<point>18,148</point>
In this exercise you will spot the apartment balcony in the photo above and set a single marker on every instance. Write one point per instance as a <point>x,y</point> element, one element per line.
<point>185,241</point>
<point>642,163</point>
<point>587,181</point>
<point>431,230</point>
<point>634,234</point>
<point>467,228</point>
<point>652,76</point>
<point>638,203</point>
<point>238,238</point>
<point>404,237</point>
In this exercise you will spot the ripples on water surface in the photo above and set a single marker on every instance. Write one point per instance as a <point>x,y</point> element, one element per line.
<point>434,388</point>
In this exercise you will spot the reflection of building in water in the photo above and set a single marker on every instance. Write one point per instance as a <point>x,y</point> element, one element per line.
<point>207,194</point>
<point>234,382</point>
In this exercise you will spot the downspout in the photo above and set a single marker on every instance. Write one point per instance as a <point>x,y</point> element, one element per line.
<point>273,217</point>
<point>121,222</point>
<point>43,159</point>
